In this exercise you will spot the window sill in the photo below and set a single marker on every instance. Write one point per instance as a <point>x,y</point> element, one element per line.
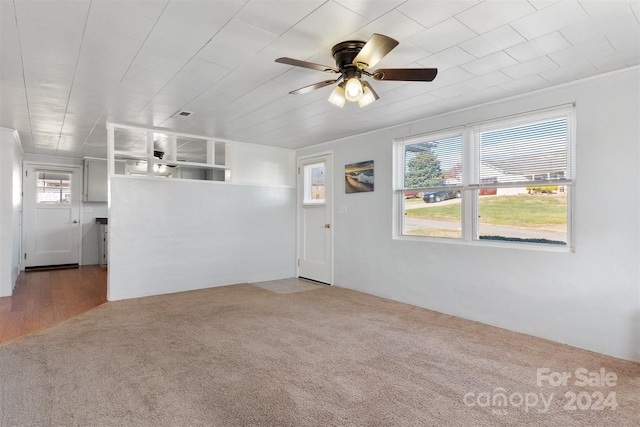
<point>489,243</point>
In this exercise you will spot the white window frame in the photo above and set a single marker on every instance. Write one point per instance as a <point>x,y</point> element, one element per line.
<point>470,178</point>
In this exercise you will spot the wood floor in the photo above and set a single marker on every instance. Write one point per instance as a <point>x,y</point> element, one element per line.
<point>44,298</point>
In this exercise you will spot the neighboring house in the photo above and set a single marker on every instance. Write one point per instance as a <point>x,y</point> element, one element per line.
<point>532,167</point>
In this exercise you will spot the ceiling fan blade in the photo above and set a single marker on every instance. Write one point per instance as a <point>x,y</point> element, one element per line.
<point>406,74</point>
<point>305,64</point>
<point>374,50</point>
<point>312,87</point>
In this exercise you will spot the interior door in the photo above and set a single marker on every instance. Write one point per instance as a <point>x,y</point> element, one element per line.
<point>52,215</point>
<point>314,219</point>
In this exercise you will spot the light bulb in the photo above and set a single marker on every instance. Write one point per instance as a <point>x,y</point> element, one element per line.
<point>353,89</point>
<point>337,96</point>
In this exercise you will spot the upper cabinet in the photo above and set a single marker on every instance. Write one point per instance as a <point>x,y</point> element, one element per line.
<point>95,180</point>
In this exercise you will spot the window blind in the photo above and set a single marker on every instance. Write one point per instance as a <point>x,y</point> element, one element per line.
<point>433,163</point>
<point>534,152</point>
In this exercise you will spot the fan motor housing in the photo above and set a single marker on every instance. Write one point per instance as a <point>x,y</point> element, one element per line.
<point>345,52</point>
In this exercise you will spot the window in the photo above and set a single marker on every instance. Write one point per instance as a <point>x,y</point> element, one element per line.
<point>53,187</point>
<point>507,180</point>
<point>314,183</point>
<point>433,186</point>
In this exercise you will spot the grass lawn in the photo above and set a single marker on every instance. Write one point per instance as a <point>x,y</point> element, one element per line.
<point>542,211</point>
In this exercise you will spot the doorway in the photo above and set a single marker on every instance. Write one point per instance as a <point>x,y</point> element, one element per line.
<point>315,233</point>
<point>51,215</point>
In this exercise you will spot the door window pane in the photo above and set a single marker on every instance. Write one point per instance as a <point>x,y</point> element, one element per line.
<point>314,183</point>
<point>53,187</point>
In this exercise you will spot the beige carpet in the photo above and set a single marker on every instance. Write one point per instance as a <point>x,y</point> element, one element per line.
<point>246,356</point>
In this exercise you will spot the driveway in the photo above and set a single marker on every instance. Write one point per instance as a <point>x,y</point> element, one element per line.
<point>412,224</point>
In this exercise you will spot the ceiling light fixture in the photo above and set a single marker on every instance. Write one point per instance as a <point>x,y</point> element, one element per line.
<point>353,59</point>
<point>368,95</point>
<point>337,97</point>
<point>353,89</point>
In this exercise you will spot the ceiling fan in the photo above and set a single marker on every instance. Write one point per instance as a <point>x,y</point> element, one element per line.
<point>353,58</point>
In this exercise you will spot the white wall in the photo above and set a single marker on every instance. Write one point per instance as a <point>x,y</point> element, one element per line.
<point>177,235</point>
<point>588,299</point>
<point>255,164</point>
<point>10,209</point>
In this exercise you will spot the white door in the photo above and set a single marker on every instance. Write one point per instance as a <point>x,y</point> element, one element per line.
<point>52,215</point>
<point>314,219</point>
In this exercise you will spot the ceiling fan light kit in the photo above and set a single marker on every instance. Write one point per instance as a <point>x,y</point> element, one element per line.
<point>353,58</point>
<point>338,97</point>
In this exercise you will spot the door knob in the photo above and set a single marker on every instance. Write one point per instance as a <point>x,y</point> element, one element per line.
<point>75,221</point>
<point>327,226</point>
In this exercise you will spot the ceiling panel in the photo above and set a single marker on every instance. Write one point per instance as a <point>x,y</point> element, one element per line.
<point>276,17</point>
<point>537,47</point>
<point>496,40</point>
<point>559,15</point>
<point>490,15</point>
<point>431,13</point>
<point>69,66</point>
<point>444,35</point>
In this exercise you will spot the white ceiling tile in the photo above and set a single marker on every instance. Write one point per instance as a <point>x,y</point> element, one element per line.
<point>396,25</point>
<point>591,50</point>
<point>635,7</point>
<point>448,58</point>
<point>599,7</point>
<point>487,64</point>
<point>164,65</point>
<point>11,64</point>
<point>553,18</point>
<point>404,55</point>
<point>628,39</point>
<point>200,74</point>
<point>569,72</point>
<point>534,66</point>
<point>540,46</point>
<point>226,56</point>
<point>485,95</point>
<point>492,41</point>
<point>451,76</point>
<point>56,14</point>
<point>452,91</point>
<point>542,4</point>
<point>328,25</point>
<point>371,9</point>
<point>54,69</point>
<point>527,84</point>
<point>276,17</point>
<point>243,37</point>
<point>443,36</point>
<point>491,14</point>
<point>616,20</point>
<point>132,19</point>
<point>179,23</point>
<point>171,50</point>
<point>432,13</point>
<point>488,80</point>
<point>213,15</point>
<point>616,61</point>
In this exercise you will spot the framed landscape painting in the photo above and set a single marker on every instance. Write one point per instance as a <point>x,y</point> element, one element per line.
<point>358,177</point>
